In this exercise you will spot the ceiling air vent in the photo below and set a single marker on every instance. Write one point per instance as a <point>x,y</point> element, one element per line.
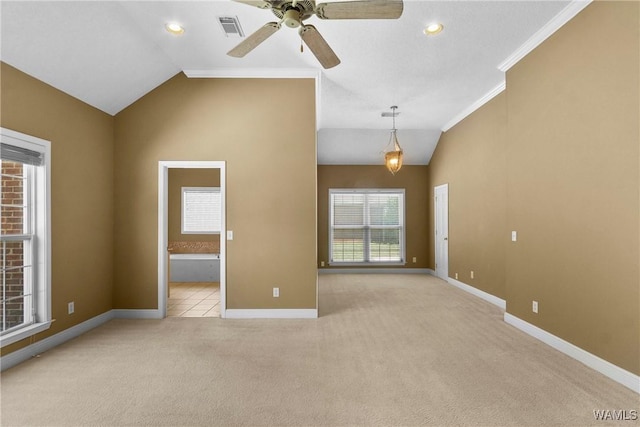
<point>230,26</point>
<point>388,114</point>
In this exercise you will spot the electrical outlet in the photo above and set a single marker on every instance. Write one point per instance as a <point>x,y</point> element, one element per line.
<point>321,263</point>
<point>71,307</point>
<point>472,275</point>
<point>534,306</point>
<point>415,260</point>
<point>456,276</point>
<point>276,292</point>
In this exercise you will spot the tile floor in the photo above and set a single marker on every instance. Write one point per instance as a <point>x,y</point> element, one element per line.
<point>194,299</point>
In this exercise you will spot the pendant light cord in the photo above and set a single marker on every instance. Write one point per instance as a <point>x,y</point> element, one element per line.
<point>393,115</point>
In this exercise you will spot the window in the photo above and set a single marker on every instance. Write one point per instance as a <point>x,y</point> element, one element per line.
<point>366,226</point>
<point>201,210</point>
<point>25,301</point>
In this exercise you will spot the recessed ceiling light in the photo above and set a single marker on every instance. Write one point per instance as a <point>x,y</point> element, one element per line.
<point>174,28</point>
<point>433,29</point>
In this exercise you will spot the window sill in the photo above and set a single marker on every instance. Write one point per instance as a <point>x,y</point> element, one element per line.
<point>367,264</point>
<point>23,333</point>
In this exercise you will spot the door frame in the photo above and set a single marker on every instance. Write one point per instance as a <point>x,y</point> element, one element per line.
<point>442,270</point>
<point>163,228</point>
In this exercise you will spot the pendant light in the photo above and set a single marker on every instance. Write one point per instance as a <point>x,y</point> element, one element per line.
<point>393,159</point>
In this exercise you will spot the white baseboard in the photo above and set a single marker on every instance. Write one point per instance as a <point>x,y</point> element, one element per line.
<point>19,356</point>
<point>366,270</point>
<point>136,314</point>
<point>477,292</point>
<point>285,313</point>
<point>608,369</point>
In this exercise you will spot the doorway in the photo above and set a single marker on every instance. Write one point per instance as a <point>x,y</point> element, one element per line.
<point>441,203</point>
<point>190,251</point>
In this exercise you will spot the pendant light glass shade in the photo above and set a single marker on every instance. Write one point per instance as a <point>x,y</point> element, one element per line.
<point>393,159</point>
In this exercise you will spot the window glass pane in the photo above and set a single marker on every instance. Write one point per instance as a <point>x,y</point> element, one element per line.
<point>348,245</point>
<point>13,220</point>
<point>13,198</point>
<point>384,209</point>
<point>385,245</point>
<point>16,289</point>
<point>348,209</point>
<point>11,255</point>
<point>12,314</point>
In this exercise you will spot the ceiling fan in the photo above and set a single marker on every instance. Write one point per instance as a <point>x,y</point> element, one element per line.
<point>292,13</point>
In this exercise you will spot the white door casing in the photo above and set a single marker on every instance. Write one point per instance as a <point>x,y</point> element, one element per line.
<point>163,228</point>
<point>441,222</point>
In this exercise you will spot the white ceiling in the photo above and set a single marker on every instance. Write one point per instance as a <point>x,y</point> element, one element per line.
<point>110,53</point>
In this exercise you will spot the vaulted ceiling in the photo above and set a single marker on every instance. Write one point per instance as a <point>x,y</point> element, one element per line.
<point>110,53</point>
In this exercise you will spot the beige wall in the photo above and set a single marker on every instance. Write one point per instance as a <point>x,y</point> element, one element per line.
<point>179,178</point>
<point>412,178</point>
<point>81,193</point>
<point>471,158</point>
<point>268,142</point>
<point>572,179</point>
<point>573,131</point>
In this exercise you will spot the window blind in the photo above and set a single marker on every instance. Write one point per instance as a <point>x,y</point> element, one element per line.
<point>366,226</point>
<point>21,155</point>
<point>201,210</point>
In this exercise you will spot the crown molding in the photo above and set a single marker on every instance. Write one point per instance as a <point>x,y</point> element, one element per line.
<point>473,107</point>
<point>565,15</point>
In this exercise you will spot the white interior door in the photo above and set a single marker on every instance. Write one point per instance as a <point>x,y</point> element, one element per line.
<point>441,204</point>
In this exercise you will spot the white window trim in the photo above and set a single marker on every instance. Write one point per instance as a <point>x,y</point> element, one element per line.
<point>42,265</point>
<point>182,213</point>
<point>403,258</point>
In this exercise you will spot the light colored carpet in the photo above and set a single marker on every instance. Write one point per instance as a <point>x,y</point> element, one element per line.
<point>387,350</point>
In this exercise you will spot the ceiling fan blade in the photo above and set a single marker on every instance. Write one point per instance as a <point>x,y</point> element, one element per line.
<point>361,9</point>
<point>319,46</point>
<point>251,42</point>
<point>256,3</point>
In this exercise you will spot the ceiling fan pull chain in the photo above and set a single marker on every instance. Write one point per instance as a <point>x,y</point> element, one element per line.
<point>300,31</point>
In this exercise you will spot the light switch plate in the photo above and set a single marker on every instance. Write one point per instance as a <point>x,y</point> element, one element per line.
<point>514,236</point>
<point>229,234</point>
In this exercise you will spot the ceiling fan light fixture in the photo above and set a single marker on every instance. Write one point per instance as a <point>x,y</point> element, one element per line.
<point>433,29</point>
<point>291,18</point>
<point>174,28</point>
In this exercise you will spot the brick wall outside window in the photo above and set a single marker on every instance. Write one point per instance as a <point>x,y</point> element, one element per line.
<point>11,253</point>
